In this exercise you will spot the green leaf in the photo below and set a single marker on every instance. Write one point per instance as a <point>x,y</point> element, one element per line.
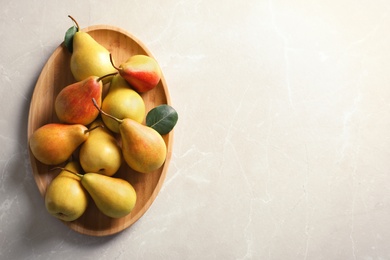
<point>68,41</point>
<point>162,118</point>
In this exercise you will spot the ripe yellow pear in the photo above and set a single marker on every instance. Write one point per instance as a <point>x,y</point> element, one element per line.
<point>54,143</point>
<point>122,102</point>
<point>65,197</point>
<point>114,197</point>
<point>143,148</point>
<point>100,153</point>
<point>89,58</point>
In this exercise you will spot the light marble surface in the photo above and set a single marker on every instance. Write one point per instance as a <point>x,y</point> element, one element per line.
<point>283,143</point>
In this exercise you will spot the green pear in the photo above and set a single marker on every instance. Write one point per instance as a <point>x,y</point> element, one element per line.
<point>143,148</point>
<point>72,104</point>
<point>142,72</point>
<point>54,143</point>
<point>100,153</point>
<point>122,102</point>
<point>89,58</point>
<point>65,197</point>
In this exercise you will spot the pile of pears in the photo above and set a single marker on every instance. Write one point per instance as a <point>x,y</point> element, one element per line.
<point>98,132</point>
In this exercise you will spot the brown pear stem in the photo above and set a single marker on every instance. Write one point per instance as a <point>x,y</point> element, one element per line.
<point>93,128</point>
<point>64,169</point>
<point>105,76</point>
<point>112,63</point>
<point>104,113</point>
<point>75,22</point>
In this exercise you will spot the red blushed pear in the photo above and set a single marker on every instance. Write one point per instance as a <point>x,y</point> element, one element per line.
<point>141,71</point>
<point>73,103</point>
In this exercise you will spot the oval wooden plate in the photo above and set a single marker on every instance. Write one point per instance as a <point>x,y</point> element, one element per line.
<point>55,75</point>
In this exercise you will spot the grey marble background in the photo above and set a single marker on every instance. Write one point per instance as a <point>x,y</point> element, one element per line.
<point>283,143</point>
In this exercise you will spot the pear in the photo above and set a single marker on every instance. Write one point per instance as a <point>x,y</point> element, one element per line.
<point>142,72</point>
<point>89,58</point>
<point>54,143</point>
<point>114,197</point>
<point>122,102</point>
<point>100,153</point>
<point>65,197</point>
<point>143,148</point>
<point>73,103</point>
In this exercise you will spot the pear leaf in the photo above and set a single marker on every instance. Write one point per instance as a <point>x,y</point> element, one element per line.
<point>162,118</point>
<point>68,41</point>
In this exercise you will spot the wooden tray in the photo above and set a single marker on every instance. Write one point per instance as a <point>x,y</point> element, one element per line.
<point>55,75</point>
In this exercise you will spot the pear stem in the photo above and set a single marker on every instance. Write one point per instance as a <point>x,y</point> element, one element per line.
<point>108,75</point>
<point>112,63</point>
<point>104,113</point>
<point>75,22</point>
<point>64,169</point>
<point>93,128</point>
